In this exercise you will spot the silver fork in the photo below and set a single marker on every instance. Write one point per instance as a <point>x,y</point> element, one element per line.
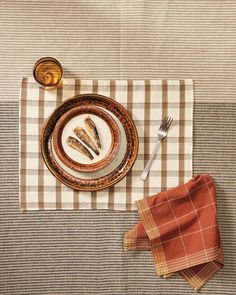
<point>162,133</point>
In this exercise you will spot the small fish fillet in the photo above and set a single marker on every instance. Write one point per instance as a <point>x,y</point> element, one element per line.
<point>75,144</point>
<point>92,129</point>
<point>83,136</point>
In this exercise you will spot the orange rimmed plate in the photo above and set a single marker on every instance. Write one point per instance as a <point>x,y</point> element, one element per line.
<point>109,135</point>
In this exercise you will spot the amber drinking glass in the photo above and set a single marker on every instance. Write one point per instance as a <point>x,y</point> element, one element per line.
<point>48,72</point>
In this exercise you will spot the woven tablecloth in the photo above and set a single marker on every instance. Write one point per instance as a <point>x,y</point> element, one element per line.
<point>80,251</point>
<point>148,101</point>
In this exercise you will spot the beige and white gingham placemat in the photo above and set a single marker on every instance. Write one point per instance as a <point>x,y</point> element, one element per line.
<point>147,101</point>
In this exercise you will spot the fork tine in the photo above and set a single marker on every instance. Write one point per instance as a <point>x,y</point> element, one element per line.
<point>164,122</point>
<point>169,123</point>
<point>167,120</point>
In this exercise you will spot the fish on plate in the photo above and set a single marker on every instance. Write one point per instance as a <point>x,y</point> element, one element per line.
<point>75,144</point>
<point>85,138</point>
<point>92,130</point>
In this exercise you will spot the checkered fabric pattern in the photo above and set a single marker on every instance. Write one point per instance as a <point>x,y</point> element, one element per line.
<point>148,101</point>
<point>180,228</point>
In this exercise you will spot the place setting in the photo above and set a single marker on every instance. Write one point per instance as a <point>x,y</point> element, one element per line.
<point>93,144</point>
<point>121,145</point>
<point>124,115</point>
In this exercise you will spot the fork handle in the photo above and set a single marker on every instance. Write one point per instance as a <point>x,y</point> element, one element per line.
<point>147,168</point>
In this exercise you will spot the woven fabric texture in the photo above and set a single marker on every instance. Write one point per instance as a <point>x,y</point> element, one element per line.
<point>147,102</point>
<point>180,228</point>
<point>81,252</point>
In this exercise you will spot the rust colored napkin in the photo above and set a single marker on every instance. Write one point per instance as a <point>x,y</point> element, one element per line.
<point>180,228</point>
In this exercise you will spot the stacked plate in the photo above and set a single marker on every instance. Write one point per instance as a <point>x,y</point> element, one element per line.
<point>89,142</point>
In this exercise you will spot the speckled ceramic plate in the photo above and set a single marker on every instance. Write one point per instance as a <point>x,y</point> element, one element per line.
<point>108,132</point>
<point>116,169</point>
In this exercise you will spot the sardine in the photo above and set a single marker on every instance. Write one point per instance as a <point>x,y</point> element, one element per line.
<point>75,144</point>
<point>83,136</point>
<point>92,129</point>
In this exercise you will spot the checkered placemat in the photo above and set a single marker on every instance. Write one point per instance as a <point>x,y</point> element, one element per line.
<point>147,101</point>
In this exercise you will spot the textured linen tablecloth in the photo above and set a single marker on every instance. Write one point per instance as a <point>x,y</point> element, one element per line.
<point>81,251</point>
<point>147,102</point>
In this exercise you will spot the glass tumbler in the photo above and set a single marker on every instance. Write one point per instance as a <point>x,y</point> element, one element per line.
<point>48,72</point>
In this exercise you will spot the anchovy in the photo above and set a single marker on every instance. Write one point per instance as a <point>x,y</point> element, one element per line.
<point>83,136</point>
<point>75,144</point>
<point>92,129</point>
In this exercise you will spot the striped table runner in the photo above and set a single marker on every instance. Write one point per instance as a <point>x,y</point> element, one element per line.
<point>147,101</point>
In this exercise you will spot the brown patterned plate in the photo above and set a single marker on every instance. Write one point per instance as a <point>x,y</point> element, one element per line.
<point>110,174</point>
<point>108,131</point>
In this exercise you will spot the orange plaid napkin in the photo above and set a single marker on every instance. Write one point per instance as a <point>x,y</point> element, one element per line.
<point>180,228</point>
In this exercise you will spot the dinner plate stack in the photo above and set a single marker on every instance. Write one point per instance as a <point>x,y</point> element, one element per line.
<point>89,142</point>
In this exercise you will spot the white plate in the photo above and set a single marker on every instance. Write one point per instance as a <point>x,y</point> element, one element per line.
<point>104,135</point>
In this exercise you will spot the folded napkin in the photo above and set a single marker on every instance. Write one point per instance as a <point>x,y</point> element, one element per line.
<point>180,228</point>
